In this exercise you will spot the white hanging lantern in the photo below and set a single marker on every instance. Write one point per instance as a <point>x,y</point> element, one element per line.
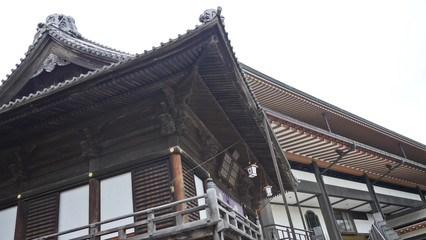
<point>268,190</point>
<point>252,170</point>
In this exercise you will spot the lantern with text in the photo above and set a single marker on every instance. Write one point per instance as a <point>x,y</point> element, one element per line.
<point>252,170</point>
<point>268,190</point>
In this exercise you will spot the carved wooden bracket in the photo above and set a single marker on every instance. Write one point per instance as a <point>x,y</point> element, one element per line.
<point>50,63</point>
<point>167,123</point>
<point>172,117</point>
<point>19,165</point>
<point>89,145</point>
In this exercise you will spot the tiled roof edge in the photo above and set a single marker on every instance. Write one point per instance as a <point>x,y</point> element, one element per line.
<point>65,83</point>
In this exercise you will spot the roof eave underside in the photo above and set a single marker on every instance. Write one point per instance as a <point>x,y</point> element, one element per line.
<point>314,143</point>
<point>324,104</point>
<point>120,83</point>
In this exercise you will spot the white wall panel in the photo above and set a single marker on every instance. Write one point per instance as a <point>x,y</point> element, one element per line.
<point>73,211</point>
<point>7,222</point>
<point>116,200</point>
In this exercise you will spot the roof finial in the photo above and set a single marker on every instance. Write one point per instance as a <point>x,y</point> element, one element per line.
<point>210,14</point>
<point>65,23</point>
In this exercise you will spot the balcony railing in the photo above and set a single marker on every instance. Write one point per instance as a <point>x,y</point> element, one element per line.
<point>220,219</point>
<point>280,232</point>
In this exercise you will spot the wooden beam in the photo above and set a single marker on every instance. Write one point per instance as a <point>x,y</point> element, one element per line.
<point>343,169</point>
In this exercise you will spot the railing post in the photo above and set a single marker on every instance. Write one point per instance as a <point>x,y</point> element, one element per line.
<point>259,226</point>
<point>93,231</point>
<point>121,234</point>
<point>213,207</point>
<point>211,200</point>
<point>151,224</point>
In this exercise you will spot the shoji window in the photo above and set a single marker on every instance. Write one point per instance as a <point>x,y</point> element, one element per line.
<point>7,222</point>
<point>199,187</point>
<point>116,200</point>
<point>73,211</point>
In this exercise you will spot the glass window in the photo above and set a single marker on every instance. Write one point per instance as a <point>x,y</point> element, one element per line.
<point>7,222</point>
<point>74,211</point>
<point>229,169</point>
<point>116,200</point>
<point>312,220</point>
<point>344,221</point>
<point>199,187</point>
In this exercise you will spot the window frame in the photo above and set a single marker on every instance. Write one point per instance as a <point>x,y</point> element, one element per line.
<point>346,216</point>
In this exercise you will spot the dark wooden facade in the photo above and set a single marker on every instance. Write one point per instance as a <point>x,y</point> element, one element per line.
<point>87,113</point>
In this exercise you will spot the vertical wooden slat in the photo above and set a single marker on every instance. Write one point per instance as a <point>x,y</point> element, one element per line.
<point>42,216</point>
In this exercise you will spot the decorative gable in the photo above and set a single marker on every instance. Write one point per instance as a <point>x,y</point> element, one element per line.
<point>58,53</point>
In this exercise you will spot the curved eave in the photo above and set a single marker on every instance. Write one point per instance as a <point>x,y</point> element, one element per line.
<point>123,81</point>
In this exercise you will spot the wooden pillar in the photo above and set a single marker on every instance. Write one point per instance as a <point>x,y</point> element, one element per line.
<point>94,200</point>
<point>375,205</point>
<point>94,203</point>
<point>21,220</point>
<point>178,184</point>
<point>325,205</point>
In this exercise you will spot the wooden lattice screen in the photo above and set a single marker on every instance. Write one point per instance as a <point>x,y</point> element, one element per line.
<point>42,216</point>
<point>190,190</point>
<point>151,187</point>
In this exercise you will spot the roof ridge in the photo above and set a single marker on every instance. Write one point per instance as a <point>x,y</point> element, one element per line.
<point>75,42</point>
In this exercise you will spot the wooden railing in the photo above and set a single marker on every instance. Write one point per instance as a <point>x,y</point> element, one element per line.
<point>238,223</point>
<point>220,217</point>
<point>280,232</point>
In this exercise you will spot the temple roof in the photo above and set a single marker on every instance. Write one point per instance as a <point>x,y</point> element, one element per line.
<point>125,78</point>
<point>175,56</point>
<point>55,41</point>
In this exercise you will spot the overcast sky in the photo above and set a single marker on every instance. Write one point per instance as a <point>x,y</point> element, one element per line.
<point>366,57</point>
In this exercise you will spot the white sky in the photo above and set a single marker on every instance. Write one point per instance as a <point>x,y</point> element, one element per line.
<point>366,57</point>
